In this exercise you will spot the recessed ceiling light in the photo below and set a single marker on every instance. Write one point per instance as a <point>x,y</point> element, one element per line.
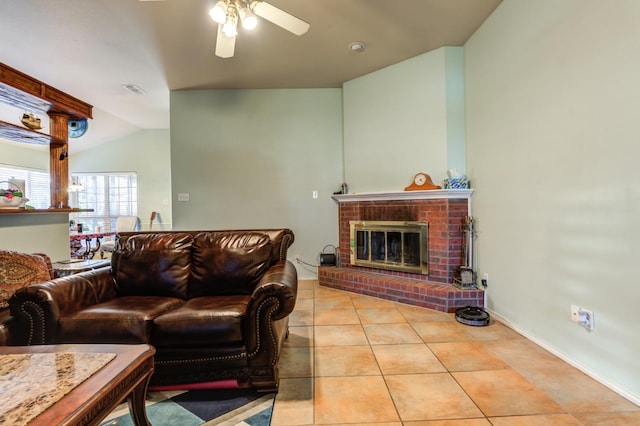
<point>133,89</point>
<point>357,46</point>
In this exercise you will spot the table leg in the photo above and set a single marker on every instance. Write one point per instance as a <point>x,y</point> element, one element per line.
<point>136,401</point>
<point>87,253</point>
<point>96,248</point>
<point>91,251</point>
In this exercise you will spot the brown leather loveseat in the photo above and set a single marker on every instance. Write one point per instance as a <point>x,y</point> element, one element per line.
<point>214,304</point>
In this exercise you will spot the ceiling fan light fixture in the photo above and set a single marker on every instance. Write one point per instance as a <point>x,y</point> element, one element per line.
<point>230,27</point>
<point>248,19</point>
<point>219,12</point>
<point>229,13</point>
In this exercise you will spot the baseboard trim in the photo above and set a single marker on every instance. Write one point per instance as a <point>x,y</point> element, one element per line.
<point>625,393</point>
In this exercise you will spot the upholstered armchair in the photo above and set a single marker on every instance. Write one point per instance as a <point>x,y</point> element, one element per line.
<point>18,270</point>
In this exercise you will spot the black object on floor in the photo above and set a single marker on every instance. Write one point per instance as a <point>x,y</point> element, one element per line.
<point>471,315</point>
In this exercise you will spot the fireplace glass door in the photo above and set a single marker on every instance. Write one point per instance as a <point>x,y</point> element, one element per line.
<point>390,245</point>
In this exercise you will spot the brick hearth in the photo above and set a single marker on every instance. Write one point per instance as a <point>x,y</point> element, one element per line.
<point>438,296</point>
<point>444,211</point>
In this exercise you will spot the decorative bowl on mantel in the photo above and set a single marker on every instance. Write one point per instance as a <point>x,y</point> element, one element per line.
<point>10,198</point>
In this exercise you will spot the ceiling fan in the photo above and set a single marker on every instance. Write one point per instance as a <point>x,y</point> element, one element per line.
<point>227,13</point>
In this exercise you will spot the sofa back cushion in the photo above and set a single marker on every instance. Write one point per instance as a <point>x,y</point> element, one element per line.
<point>152,264</point>
<point>228,262</point>
<point>19,270</point>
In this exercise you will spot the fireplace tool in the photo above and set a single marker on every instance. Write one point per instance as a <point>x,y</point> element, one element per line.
<point>466,277</point>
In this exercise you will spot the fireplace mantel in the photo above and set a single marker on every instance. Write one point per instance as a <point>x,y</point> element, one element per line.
<point>432,194</point>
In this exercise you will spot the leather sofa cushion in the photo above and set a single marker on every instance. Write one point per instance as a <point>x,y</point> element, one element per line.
<point>228,262</point>
<point>203,322</point>
<point>121,320</point>
<point>153,264</point>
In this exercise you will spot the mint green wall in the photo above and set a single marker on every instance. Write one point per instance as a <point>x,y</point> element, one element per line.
<point>252,158</point>
<point>33,233</point>
<point>30,233</point>
<point>145,152</point>
<point>404,119</point>
<point>24,155</point>
<point>552,106</point>
<point>454,104</point>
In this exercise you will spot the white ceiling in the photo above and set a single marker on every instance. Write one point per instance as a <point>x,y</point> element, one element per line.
<point>89,48</point>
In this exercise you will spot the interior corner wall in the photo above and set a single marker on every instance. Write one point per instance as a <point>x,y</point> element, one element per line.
<point>454,104</point>
<point>552,132</point>
<point>253,158</point>
<point>147,153</point>
<point>401,120</point>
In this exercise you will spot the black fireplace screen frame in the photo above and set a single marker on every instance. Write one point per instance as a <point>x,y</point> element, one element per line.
<point>390,245</point>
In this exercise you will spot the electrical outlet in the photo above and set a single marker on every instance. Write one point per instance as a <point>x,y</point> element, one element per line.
<point>586,319</point>
<point>583,317</point>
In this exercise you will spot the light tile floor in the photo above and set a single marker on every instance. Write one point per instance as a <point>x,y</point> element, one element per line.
<point>356,360</point>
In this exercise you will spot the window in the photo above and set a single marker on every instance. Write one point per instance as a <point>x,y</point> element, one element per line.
<point>37,188</point>
<point>109,195</point>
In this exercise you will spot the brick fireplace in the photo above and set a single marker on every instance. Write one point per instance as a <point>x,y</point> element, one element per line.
<point>444,211</point>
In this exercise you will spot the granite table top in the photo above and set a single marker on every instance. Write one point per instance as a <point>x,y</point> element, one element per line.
<point>31,383</point>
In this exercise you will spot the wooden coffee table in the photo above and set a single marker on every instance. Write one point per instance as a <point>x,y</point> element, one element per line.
<point>125,376</point>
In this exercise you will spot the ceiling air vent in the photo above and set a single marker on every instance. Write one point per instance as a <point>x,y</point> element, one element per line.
<point>133,89</point>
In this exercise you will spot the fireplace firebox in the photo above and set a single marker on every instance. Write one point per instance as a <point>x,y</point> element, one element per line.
<point>390,245</point>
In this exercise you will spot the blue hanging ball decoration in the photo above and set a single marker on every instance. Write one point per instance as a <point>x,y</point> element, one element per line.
<point>77,128</point>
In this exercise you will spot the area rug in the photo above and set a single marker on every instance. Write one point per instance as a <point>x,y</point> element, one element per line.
<point>227,407</point>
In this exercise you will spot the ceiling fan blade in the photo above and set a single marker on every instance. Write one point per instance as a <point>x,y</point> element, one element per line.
<point>225,45</point>
<point>280,17</point>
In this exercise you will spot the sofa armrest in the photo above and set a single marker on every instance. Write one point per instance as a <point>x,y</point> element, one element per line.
<point>273,299</point>
<point>37,308</point>
<point>8,327</point>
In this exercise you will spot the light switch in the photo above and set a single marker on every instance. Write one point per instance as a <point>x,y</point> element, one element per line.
<point>183,196</point>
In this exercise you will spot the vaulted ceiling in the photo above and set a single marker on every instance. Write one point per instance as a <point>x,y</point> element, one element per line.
<point>89,49</point>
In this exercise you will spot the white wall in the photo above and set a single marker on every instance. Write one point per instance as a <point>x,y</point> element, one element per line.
<point>552,105</point>
<point>146,152</point>
<point>404,119</point>
<point>252,158</point>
